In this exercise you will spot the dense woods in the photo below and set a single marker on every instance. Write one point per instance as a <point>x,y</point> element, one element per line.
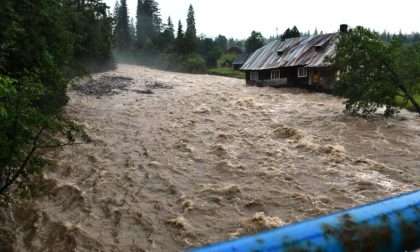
<point>43,45</point>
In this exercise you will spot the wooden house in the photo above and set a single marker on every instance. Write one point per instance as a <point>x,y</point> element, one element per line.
<point>294,62</point>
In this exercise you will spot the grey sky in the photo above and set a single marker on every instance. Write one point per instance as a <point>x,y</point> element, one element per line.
<point>237,18</point>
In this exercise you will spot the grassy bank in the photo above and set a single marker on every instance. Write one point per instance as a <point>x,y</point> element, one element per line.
<point>401,101</point>
<point>228,72</point>
<point>407,104</point>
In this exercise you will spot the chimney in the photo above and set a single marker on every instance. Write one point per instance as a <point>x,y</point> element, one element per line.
<point>343,28</point>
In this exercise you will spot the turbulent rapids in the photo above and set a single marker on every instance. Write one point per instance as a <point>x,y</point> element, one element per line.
<point>180,160</point>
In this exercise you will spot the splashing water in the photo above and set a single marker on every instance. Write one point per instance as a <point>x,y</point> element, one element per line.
<point>206,160</point>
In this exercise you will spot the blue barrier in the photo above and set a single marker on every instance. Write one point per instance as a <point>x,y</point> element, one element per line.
<point>388,225</point>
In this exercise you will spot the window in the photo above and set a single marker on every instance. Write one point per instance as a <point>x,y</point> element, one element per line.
<point>275,74</point>
<point>254,76</point>
<point>302,72</point>
<point>337,75</point>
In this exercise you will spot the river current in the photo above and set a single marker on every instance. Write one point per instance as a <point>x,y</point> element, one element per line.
<point>206,159</point>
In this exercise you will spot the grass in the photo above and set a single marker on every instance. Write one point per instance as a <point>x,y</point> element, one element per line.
<point>407,104</point>
<point>228,72</point>
<point>402,102</point>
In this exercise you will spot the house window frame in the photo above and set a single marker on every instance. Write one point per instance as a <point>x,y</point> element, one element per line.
<point>302,72</point>
<point>275,74</point>
<point>254,76</point>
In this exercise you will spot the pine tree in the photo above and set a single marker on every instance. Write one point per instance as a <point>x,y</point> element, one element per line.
<point>179,41</point>
<point>166,38</point>
<point>116,10</point>
<point>149,22</point>
<point>132,30</point>
<point>222,42</point>
<point>122,30</point>
<point>191,32</point>
<point>157,20</point>
<point>170,27</point>
<point>255,41</point>
<point>139,14</point>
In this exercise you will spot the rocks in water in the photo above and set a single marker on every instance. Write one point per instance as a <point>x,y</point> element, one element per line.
<point>105,86</point>
<point>151,86</point>
<point>158,85</point>
<point>147,91</point>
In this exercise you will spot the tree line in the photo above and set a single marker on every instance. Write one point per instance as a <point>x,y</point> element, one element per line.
<point>150,41</point>
<point>44,44</point>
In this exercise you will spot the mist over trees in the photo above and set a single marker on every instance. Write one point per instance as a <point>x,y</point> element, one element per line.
<point>161,44</point>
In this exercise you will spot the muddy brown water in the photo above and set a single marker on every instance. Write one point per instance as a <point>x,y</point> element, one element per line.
<point>207,160</point>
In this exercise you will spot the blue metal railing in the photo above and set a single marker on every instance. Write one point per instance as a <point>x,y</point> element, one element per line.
<point>388,225</point>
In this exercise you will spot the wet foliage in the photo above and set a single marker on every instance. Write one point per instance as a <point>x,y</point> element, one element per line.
<point>43,45</point>
<point>374,74</point>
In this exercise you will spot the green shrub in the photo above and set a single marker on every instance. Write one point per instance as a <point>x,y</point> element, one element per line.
<point>227,58</point>
<point>194,63</point>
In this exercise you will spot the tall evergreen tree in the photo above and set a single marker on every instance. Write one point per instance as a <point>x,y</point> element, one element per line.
<point>170,27</point>
<point>122,30</point>
<point>166,38</point>
<point>222,42</point>
<point>149,22</point>
<point>116,10</point>
<point>139,14</point>
<point>179,41</point>
<point>157,20</point>
<point>132,30</point>
<point>255,41</point>
<point>180,31</point>
<point>168,33</point>
<point>191,32</point>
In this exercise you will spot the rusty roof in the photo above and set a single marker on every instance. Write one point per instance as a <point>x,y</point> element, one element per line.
<point>308,51</point>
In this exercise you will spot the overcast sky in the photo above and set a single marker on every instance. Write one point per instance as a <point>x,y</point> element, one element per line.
<point>237,18</point>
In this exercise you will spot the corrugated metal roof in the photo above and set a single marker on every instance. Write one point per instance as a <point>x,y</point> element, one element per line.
<point>293,52</point>
<point>241,59</point>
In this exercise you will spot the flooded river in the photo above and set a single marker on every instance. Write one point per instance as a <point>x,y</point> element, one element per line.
<point>181,160</point>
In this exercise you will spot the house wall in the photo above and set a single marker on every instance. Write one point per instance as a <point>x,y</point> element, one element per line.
<point>322,77</point>
<point>290,74</point>
<point>253,82</point>
<point>265,79</point>
<point>317,78</point>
